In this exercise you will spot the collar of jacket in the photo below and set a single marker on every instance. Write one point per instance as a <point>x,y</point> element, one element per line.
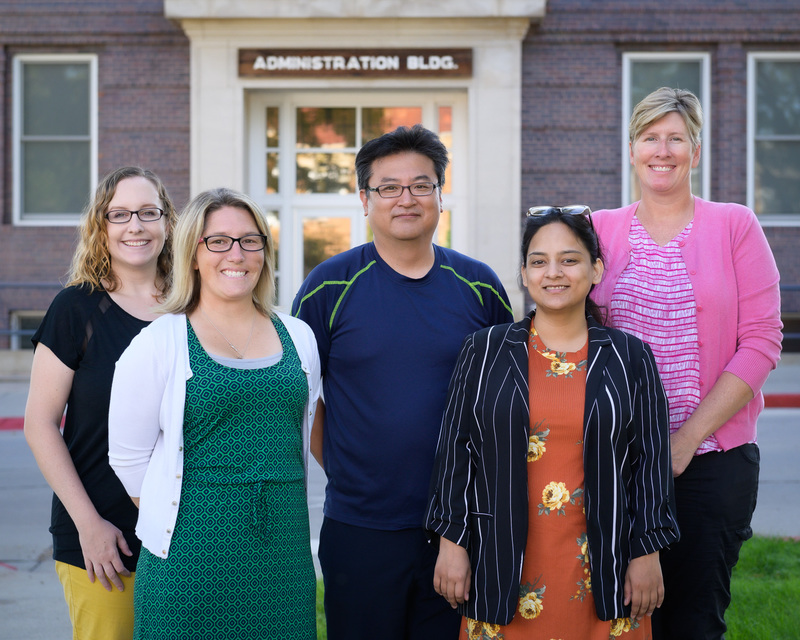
<point>518,333</point>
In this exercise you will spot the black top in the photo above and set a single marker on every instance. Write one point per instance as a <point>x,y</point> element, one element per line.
<point>88,332</point>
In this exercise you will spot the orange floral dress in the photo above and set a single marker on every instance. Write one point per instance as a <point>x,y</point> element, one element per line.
<point>555,594</point>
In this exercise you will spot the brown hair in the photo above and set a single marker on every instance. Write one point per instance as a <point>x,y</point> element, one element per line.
<point>91,262</point>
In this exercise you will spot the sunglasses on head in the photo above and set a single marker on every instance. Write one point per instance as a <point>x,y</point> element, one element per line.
<point>570,210</point>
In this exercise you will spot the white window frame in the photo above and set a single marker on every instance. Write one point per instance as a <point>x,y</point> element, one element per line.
<point>292,208</point>
<point>770,219</point>
<point>67,218</point>
<point>704,59</point>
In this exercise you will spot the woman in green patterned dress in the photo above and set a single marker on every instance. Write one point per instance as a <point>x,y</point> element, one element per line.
<point>208,432</point>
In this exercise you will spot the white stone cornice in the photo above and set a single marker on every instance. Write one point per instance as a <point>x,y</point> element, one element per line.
<point>363,9</point>
<point>432,33</point>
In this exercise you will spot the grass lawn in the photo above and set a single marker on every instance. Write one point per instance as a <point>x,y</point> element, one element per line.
<point>766,593</point>
<point>322,630</point>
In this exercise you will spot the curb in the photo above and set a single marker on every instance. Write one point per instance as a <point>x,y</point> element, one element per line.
<point>11,424</point>
<point>782,400</point>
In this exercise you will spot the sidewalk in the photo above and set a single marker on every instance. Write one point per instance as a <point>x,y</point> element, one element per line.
<point>31,600</point>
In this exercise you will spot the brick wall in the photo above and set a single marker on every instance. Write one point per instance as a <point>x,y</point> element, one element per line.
<point>571,105</point>
<point>572,96</point>
<point>143,104</point>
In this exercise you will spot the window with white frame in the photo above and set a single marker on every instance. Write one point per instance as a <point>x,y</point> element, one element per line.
<point>773,149</point>
<point>643,73</point>
<point>54,136</point>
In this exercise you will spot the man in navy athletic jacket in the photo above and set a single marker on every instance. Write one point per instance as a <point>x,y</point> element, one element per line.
<point>389,317</point>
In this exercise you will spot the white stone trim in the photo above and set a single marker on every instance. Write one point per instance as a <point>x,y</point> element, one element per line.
<point>218,104</point>
<point>332,9</point>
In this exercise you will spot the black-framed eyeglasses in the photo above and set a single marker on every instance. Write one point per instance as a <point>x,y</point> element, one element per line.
<point>121,216</point>
<point>221,244</point>
<point>396,190</point>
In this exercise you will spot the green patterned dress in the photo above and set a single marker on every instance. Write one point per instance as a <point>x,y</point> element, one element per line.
<point>239,564</point>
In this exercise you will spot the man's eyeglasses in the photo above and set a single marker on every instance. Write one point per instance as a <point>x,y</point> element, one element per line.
<point>396,190</point>
<point>121,216</point>
<point>221,244</point>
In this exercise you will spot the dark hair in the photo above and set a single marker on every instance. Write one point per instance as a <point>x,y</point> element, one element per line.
<point>582,227</point>
<point>417,139</point>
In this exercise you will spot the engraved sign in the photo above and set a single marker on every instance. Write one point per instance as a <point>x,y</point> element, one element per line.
<point>337,63</point>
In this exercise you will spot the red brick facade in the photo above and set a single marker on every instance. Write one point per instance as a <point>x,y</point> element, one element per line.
<point>143,119</point>
<point>572,97</point>
<point>571,106</point>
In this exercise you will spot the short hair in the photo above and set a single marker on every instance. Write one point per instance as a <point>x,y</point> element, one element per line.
<point>403,139</point>
<point>583,229</point>
<point>91,262</point>
<point>664,101</point>
<point>185,293</point>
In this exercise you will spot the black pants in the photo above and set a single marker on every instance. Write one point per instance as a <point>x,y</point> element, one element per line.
<point>716,497</point>
<point>379,585</point>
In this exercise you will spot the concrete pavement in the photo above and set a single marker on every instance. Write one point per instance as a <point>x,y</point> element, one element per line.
<point>31,600</point>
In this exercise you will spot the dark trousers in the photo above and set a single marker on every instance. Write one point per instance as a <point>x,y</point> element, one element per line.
<point>716,497</point>
<point>379,584</point>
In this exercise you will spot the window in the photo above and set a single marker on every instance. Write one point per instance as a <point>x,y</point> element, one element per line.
<point>54,137</point>
<point>773,135</point>
<point>302,151</point>
<point>23,325</point>
<point>643,73</point>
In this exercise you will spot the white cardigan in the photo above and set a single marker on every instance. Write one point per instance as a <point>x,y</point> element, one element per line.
<point>145,423</point>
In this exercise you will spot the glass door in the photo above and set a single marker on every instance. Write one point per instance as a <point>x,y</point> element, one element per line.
<point>302,150</point>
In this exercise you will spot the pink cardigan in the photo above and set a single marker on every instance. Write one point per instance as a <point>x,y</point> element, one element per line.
<point>735,282</point>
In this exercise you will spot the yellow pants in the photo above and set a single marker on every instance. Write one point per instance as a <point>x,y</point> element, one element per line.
<point>94,612</point>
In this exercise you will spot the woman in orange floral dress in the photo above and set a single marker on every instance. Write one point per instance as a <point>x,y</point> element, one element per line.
<point>552,491</point>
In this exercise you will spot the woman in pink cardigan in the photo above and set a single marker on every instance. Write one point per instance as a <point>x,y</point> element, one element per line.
<point>697,281</point>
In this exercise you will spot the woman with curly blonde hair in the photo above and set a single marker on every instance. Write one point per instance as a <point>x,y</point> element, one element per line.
<point>91,262</point>
<point>119,274</point>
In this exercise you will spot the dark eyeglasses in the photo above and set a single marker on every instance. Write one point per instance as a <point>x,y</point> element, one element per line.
<point>121,216</point>
<point>570,210</point>
<point>221,244</point>
<point>396,190</point>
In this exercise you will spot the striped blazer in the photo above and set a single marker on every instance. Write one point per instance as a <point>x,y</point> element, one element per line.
<point>479,487</point>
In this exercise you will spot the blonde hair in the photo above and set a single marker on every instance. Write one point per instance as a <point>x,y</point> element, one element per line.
<point>185,293</point>
<point>91,262</point>
<point>662,102</point>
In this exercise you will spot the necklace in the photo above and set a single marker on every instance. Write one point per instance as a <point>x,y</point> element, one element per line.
<point>559,365</point>
<point>239,354</point>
